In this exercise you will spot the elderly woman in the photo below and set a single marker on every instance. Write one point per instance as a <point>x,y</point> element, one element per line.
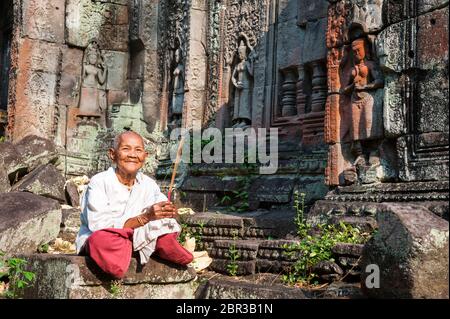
<point>124,210</point>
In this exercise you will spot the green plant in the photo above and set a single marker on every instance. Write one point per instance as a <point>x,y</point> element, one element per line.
<point>187,232</point>
<point>312,249</point>
<point>116,289</point>
<point>198,234</point>
<point>315,248</point>
<point>18,278</point>
<point>184,232</point>
<point>238,200</point>
<point>43,249</point>
<point>233,254</point>
<point>299,220</point>
<point>2,139</point>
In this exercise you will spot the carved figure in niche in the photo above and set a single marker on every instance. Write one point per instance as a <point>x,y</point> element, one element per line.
<point>178,88</point>
<point>93,94</point>
<point>242,79</point>
<point>366,126</point>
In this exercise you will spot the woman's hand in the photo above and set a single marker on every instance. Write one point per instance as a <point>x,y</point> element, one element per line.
<point>161,210</point>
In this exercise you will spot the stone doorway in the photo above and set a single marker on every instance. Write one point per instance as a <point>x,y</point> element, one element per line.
<point>6,26</point>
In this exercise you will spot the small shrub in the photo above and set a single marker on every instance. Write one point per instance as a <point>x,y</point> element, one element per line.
<point>116,289</point>
<point>18,278</point>
<point>313,249</point>
<point>232,266</point>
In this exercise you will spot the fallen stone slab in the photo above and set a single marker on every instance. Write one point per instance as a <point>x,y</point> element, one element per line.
<point>46,181</point>
<point>77,277</point>
<point>35,151</point>
<point>27,221</point>
<point>337,290</point>
<point>410,251</point>
<point>270,286</point>
<point>12,161</point>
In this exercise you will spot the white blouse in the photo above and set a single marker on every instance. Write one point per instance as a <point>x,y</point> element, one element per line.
<point>107,203</point>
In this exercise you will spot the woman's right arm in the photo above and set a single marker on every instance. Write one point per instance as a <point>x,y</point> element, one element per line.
<point>96,209</point>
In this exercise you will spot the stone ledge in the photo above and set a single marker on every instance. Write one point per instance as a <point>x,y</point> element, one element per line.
<point>269,286</point>
<point>72,276</point>
<point>227,288</point>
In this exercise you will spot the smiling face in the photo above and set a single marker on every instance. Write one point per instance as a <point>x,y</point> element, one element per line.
<point>129,155</point>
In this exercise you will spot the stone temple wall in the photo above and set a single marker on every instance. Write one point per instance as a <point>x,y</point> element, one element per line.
<point>396,130</point>
<point>357,89</point>
<point>387,110</point>
<point>79,70</point>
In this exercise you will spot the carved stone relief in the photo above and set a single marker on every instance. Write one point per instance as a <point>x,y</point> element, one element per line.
<point>174,51</point>
<point>177,99</point>
<point>242,81</point>
<point>354,109</point>
<point>44,20</point>
<point>214,38</point>
<point>35,89</point>
<point>107,22</point>
<point>242,24</point>
<point>93,99</point>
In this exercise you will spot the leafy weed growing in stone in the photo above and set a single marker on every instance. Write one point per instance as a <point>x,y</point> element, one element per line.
<point>43,249</point>
<point>18,278</point>
<point>186,231</point>
<point>116,289</point>
<point>312,249</point>
<point>299,205</point>
<point>238,199</point>
<point>232,266</point>
<point>233,254</point>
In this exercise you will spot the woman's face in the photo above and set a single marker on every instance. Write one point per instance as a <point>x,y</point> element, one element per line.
<point>130,154</point>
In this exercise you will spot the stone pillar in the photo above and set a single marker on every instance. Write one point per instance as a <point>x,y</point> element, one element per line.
<point>301,96</point>
<point>288,99</point>
<point>36,58</point>
<point>196,64</point>
<point>319,87</point>
<point>146,31</point>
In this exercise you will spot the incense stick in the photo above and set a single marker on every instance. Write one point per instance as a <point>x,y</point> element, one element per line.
<point>175,168</point>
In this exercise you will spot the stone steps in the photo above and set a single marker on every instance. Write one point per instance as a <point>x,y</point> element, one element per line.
<point>212,226</point>
<point>255,241</point>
